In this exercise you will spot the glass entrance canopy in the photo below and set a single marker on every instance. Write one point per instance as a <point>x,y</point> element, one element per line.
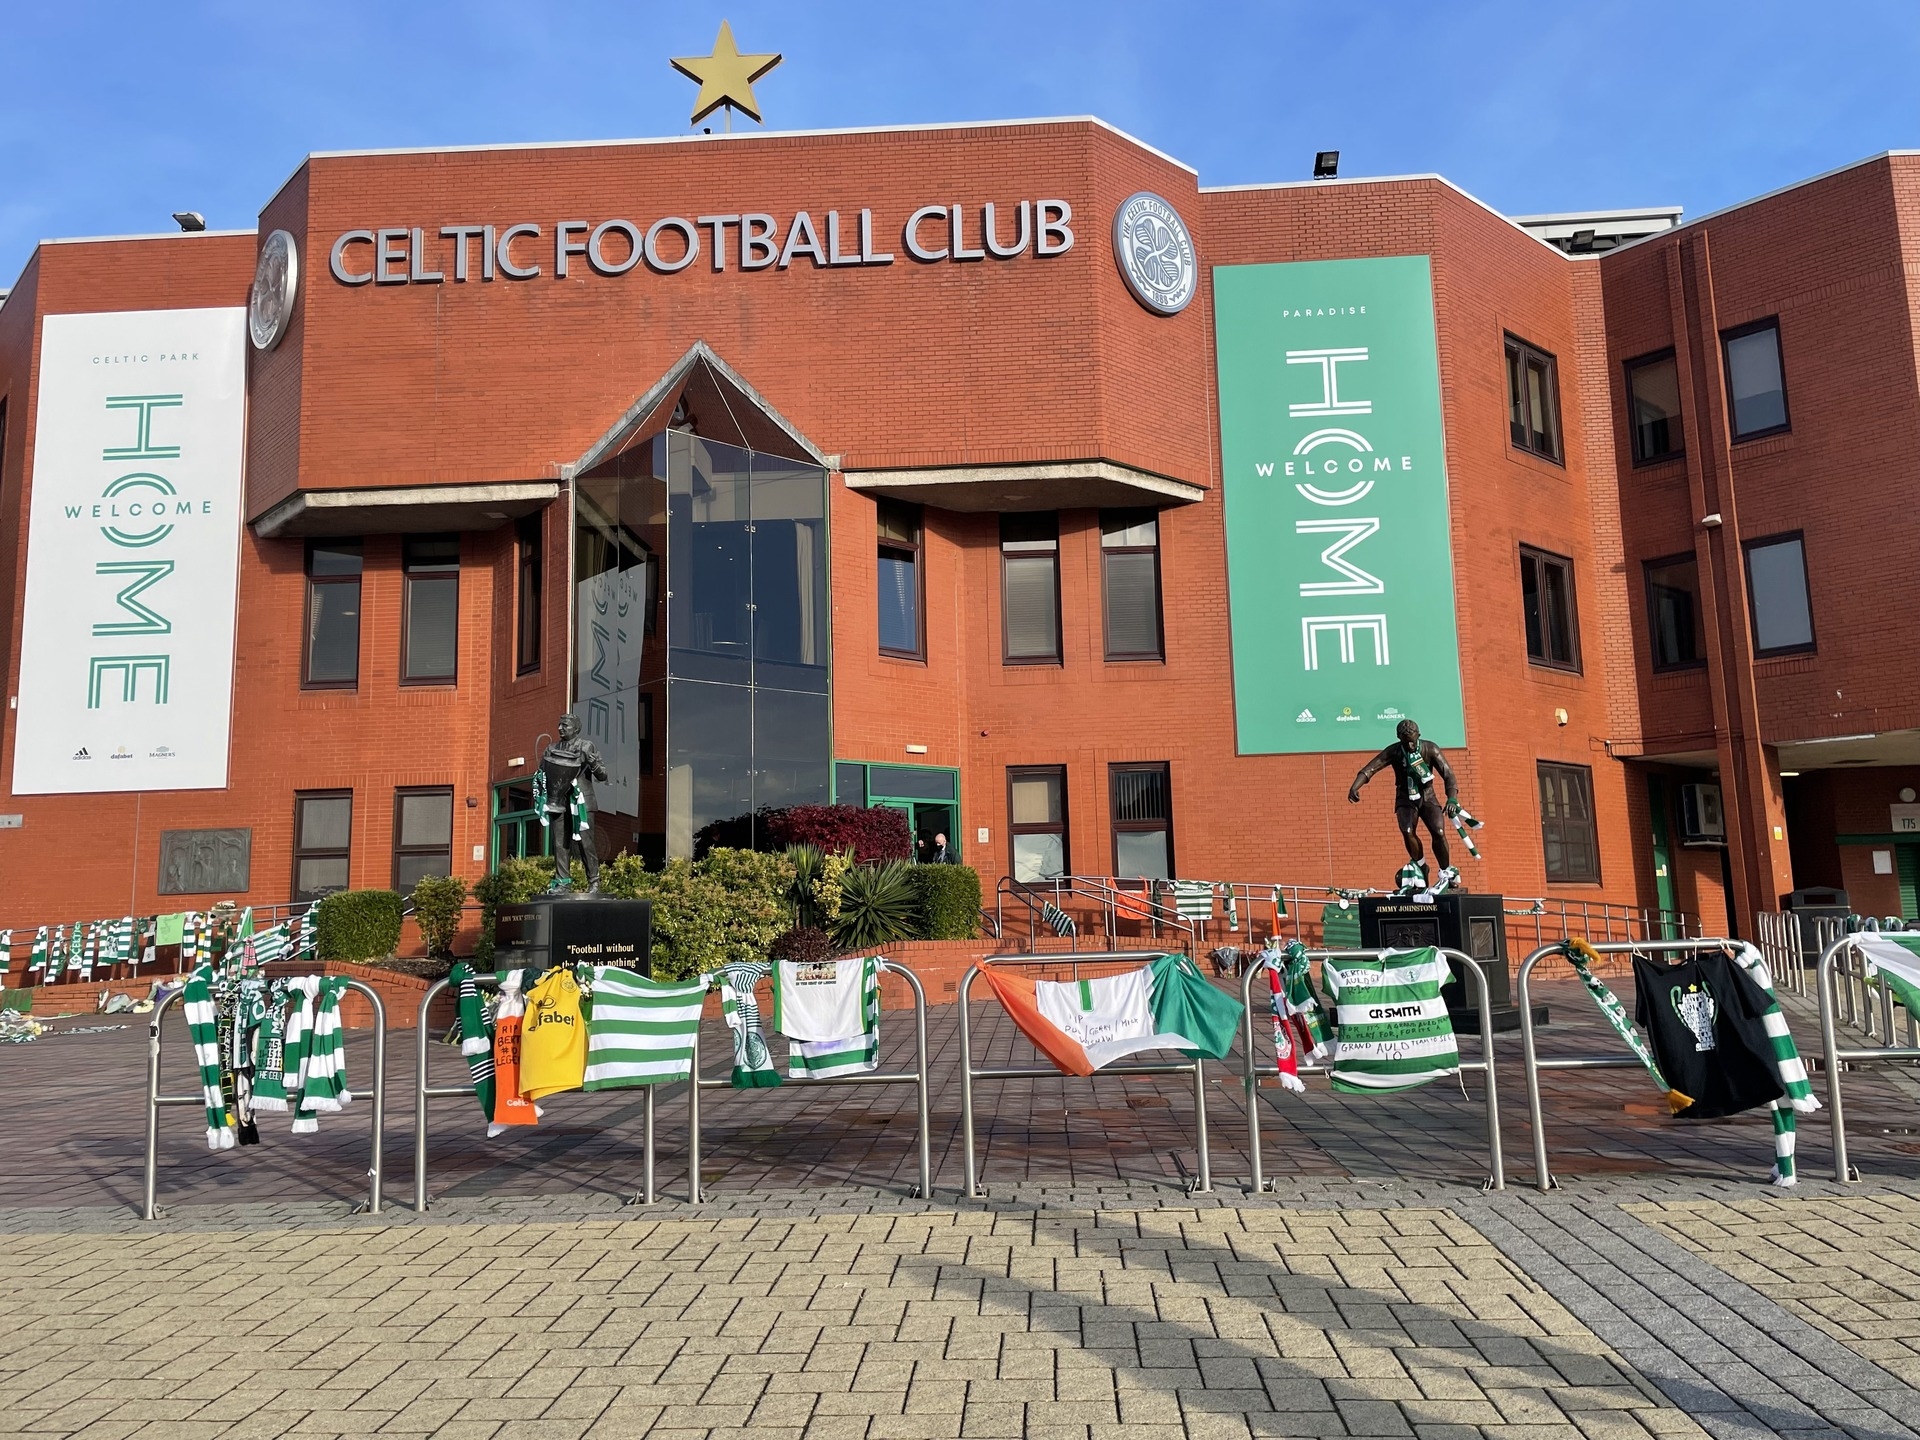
<point>701,657</point>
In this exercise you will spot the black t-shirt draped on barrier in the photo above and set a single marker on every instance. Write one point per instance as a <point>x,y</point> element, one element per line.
<point>1703,1017</point>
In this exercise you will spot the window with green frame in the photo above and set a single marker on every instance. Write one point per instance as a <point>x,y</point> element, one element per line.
<point>517,831</point>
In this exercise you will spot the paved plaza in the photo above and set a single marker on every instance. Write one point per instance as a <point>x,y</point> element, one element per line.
<point>1664,1290</point>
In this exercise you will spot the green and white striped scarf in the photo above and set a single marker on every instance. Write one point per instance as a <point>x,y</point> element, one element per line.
<point>81,946</point>
<point>299,1038</point>
<point>579,818</point>
<point>641,1031</point>
<point>1583,957</point>
<point>203,1029</point>
<point>817,1059</point>
<point>323,1078</point>
<point>6,954</point>
<point>1786,1063</point>
<point>37,957</point>
<point>56,953</point>
<point>753,1067</point>
<point>476,1043</point>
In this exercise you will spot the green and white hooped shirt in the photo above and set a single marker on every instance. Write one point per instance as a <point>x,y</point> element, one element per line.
<point>1394,1032</point>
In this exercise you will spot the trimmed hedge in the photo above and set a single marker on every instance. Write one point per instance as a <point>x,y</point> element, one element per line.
<point>437,902</point>
<point>731,905</point>
<point>357,925</point>
<point>949,901</point>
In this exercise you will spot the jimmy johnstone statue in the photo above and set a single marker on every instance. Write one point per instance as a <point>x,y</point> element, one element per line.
<point>563,796</point>
<point>1417,764</point>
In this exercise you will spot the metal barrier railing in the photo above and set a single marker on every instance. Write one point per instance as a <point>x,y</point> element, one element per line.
<point>155,1100</point>
<point>423,1092</point>
<point>1833,1057</point>
<point>1497,1169</point>
<point>1530,1057</point>
<point>696,1191</point>
<point>974,1190</point>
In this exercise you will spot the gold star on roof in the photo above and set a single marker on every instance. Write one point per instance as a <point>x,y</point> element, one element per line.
<point>726,76</point>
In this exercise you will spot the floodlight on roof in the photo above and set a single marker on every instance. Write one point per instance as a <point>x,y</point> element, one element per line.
<point>191,221</point>
<point>1326,164</point>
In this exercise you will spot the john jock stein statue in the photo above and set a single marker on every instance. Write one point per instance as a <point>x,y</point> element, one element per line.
<point>563,796</point>
<point>1416,763</point>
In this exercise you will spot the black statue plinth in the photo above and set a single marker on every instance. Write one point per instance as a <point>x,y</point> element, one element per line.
<point>568,930</point>
<point>1473,924</point>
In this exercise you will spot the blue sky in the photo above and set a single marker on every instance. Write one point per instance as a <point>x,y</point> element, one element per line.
<point>114,115</point>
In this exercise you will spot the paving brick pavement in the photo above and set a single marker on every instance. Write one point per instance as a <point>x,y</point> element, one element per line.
<point>1171,1322</point>
<point>1848,1265</point>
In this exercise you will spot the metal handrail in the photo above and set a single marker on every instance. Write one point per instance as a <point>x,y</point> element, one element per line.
<point>1530,1058</point>
<point>1099,890</point>
<point>696,1192</point>
<point>155,1100</point>
<point>422,1093</point>
<point>1833,1057</point>
<point>1497,1169</point>
<point>968,1074</point>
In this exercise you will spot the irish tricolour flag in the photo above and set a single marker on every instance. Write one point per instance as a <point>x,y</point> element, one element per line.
<point>1084,1025</point>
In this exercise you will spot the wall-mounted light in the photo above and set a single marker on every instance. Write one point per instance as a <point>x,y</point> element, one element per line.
<point>1711,522</point>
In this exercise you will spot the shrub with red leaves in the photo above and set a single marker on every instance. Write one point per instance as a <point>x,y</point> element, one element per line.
<point>873,834</point>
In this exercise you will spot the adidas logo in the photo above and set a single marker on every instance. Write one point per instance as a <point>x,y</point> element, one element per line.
<point>1305,717</point>
<point>81,754</point>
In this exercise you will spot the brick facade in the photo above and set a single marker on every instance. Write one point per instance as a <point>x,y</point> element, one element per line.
<point>1025,361</point>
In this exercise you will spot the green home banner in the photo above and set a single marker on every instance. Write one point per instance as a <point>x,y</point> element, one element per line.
<point>1340,565</point>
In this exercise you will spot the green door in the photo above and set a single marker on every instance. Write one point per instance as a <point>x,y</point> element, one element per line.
<point>1662,859</point>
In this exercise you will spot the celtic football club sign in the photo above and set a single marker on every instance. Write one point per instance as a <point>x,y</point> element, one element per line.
<point>1339,558</point>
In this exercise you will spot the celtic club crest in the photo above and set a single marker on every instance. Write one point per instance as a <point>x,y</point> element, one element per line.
<point>1155,253</point>
<point>275,281</point>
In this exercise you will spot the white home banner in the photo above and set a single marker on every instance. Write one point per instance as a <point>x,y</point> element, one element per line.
<point>126,653</point>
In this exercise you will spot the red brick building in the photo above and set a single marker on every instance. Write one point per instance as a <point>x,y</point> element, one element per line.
<point>950,494</point>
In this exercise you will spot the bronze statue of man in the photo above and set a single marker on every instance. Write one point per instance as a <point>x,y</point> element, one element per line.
<point>568,769</point>
<point>1416,765</point>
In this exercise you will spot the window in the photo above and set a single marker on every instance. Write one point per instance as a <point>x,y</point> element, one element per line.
<point>333,614</point>
<point>430,648</point>
<point>422,835</point>
<point>900,579</point>
<point>1673,611</point>
<point>1030,588</point>
<point>1130,576</point>
<point>1037,810</point>
<point>1533,399</point>
<point>1566,823</point>
<point>1756,393</point>
<point>1653,408</point>
<point>849,783</point>
<point>1777,593</point>
<point>529,608</point>
<point>1141,798</point>
<point>1546,597</point>
<point>322,842</point>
